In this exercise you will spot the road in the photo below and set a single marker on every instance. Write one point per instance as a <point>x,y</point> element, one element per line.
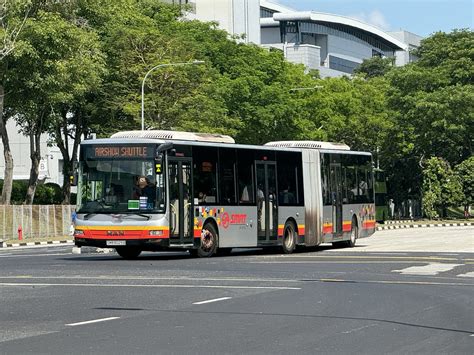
<point>324,300</point>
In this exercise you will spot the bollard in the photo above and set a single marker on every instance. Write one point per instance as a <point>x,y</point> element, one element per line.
<point>20,233</point>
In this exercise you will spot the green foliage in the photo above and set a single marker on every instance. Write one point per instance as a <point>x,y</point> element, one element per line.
<point>375,66</point>
<point>441,188</point>
<point>434,98</point>
<point>48,194</point>
<point>465,173</point>
<point>87,59</point>
<point>19,191</point>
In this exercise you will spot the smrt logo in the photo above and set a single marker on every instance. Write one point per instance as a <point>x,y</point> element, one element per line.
<point>235,218</point>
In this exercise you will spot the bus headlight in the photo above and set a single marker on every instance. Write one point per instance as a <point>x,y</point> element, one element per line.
<point>155,233</point>
<point>78,232</point>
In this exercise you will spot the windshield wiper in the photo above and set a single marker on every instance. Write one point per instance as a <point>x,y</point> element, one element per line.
<point>139,214</point>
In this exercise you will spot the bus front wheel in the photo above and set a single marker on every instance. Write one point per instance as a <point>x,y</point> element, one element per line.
<point>128,253</point>
<point>289,238</point>
<point>209,241</point>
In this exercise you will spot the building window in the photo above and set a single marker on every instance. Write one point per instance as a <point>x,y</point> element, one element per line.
<point>266,13</point>
<point>344,65</point>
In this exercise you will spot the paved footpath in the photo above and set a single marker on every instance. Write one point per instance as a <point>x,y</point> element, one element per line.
<point>437,240</point>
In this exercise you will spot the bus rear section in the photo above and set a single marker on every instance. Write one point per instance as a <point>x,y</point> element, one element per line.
<point>338,193</point>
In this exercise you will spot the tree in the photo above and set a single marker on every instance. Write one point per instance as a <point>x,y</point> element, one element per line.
<point>375,66</point>
<point>465,173</point>
<point>62,61</point>
<point>441,188</point>
<point>13,14</point>
<point>432,101</point>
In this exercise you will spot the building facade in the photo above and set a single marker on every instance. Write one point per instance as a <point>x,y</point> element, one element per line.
<point>333,44</point>
<point>51,164</point>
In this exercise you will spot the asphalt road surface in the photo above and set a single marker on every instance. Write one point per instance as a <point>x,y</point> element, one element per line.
<point>323,300</point>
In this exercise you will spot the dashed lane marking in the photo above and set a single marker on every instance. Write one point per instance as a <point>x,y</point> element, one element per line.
<point>430,269</point>
<point>92,321</point>
<point>468,274</point>
<point>213,300</point>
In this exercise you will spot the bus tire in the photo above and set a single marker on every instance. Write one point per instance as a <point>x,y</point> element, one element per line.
<point>128,253</point>
<point>289,238</point>
<point>209,241</point>
<point>354,234</point>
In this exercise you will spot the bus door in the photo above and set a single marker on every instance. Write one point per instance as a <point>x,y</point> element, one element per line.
<point>180,201</point>
<point>336,197</point>
<point>267,209</point>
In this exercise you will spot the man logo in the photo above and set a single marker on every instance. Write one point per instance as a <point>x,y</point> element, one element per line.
<point>115,233</point>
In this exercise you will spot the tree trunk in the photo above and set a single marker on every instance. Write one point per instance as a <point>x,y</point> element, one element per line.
<point>62,142</point>
<point>66,190</point>
<point>8,176</point>
<point>35,155</point>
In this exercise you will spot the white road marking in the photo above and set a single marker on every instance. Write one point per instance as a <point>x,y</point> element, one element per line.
<point>92,321</point>
<point>12,284</point>
<point>30,255</point>
<point>356,257</point>
<point>213,300</point>
<point>154,278</point>
<point>468,274</point>
<point>430,269</point>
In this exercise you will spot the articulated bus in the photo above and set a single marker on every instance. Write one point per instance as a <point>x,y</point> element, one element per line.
<point>166,190</point>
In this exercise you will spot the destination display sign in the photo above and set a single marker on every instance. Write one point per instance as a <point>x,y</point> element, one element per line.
<point>117,151</point>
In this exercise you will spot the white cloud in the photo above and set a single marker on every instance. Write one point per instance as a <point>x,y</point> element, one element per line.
<point>374,17</point>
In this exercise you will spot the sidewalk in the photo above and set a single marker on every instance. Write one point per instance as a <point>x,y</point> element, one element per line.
<point>420,224</point>
<point>30,244</point>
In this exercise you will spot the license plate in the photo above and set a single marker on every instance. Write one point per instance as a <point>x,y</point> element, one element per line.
<point>114,243</point>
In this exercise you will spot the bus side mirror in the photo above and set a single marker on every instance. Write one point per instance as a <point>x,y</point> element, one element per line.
<point>73,177</point>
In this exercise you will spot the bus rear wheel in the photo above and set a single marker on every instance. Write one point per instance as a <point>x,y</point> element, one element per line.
<point>209,241</point>
<point>354,235</point>
<point>289,238</point>
<point>128,253</point>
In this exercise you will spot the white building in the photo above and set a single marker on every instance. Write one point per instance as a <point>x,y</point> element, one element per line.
<point>51,164</point>
<point>333,44</point>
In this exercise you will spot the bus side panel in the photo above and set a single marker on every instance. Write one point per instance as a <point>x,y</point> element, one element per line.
<point>312,196</point>
<point>237,225</point>
<point>327,225</point>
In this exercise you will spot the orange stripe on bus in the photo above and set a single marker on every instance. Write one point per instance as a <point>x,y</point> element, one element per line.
<point>346,226</point>
<point>327,228</point>
<point>368,224</point>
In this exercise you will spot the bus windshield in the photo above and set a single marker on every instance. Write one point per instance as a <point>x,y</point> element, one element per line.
<point>121,186</point>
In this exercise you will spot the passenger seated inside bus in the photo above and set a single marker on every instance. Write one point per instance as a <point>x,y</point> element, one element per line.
<point>286,197</point>
<point>145,188</point>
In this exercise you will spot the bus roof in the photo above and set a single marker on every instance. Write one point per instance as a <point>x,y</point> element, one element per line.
<point>216,140</point>
<point>309,145</point>
<point>176,135</point>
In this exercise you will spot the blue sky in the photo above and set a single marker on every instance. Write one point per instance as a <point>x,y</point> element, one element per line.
<point>422,17</point>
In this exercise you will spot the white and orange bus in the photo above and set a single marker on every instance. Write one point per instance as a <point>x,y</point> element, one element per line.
<point>167,190</point>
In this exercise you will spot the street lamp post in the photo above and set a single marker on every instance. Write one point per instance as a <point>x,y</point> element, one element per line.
<point>195,62</point>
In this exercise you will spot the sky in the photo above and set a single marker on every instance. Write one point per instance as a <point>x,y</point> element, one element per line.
<point>422,17</point>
